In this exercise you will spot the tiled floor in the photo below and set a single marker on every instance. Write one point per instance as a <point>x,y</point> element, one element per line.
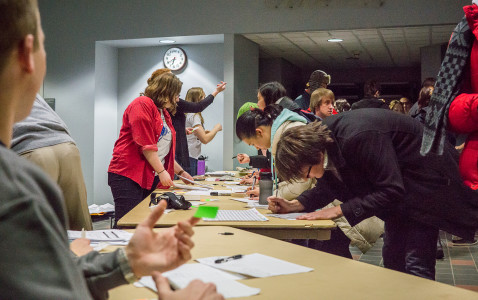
<point>459,267</point>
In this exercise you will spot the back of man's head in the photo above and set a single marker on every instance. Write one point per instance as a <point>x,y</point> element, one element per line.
<point>18,18</point>
<point>318,79</point>
<point>371,89</point>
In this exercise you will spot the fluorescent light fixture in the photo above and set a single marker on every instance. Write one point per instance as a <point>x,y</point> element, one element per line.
<point>334,40</point>
<point>167,41</point>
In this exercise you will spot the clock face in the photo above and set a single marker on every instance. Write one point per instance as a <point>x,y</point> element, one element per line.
<point>175,58</point>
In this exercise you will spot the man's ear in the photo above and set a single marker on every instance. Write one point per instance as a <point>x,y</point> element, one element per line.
<point>25,53</point>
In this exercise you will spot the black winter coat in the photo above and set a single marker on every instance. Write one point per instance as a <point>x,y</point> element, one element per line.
<point>376,155</point>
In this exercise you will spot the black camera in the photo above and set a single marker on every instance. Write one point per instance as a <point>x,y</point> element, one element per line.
<point>174,201</point>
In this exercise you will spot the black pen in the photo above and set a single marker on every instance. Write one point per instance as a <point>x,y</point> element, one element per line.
<point>234,157</point>
<point>115,234</point>
<point>221,260</point>
<point>106,234</point>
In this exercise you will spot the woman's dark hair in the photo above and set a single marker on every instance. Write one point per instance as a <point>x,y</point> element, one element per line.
<point>248,122</point>
<point>272,91</point>
<point>429,81</point>
<point>424,96</point>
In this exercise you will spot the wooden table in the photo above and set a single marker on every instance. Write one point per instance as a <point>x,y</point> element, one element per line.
<point>333,277</point>
<point>275,227</point>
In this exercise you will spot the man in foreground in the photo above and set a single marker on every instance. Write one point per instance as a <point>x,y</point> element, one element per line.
<point>34,254</point>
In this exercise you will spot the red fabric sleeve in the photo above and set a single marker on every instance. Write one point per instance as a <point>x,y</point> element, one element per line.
<point>142,119</point>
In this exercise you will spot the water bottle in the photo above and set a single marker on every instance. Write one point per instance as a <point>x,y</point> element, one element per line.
<point>265,187</point>
<point>201,165</point>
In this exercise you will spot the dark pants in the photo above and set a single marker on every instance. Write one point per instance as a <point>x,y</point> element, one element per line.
<point>338,244</point>
<point>127,194</point>
<point>410,247</point>
<point>193,166</point>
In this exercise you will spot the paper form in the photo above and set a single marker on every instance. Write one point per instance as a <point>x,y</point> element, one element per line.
<point>256,265</point>
<point>190,187</point>
<point>291,216</point>
<point>225,282</point>
<point>238,215</point>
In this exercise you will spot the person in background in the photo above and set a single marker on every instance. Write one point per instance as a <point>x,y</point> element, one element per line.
<point>317,79</point>
<point>43,138</point>
<point>36,260</point>
<point>396,105</point>
<point>341,105</point>
<point>371,90</point>
<point>179,118</point>
<point>322,103</point>
<point>406,104</point>
<point>428,82</point>
<point>378,170</point>
<point>199,136</point>
<point>146,145</point>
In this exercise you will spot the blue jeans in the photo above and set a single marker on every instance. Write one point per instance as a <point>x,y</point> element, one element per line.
<point>193,166</point>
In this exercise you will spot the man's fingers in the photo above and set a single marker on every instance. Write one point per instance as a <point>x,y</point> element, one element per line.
<point>186,227</point>
<point>193,221</point>
<point>154,216</point>
<point>162,283</point>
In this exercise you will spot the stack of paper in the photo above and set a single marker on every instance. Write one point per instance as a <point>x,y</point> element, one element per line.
<point>110,236</point>
<point>101,209</point>
<point>192,187</point>
<point>226,283</point>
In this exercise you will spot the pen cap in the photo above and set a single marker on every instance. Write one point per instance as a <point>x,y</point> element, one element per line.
<point>265,187</point>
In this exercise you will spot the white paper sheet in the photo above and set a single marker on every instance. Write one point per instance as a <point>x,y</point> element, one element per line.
<point>106,235</point>
<point>291,216</point>
<point>191,187</point>
<point>256,265</point>
<point>238,215</point>
<point>225,282</point>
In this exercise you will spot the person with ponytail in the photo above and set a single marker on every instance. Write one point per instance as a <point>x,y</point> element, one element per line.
<point>262,129</point>
<point>198,136</point>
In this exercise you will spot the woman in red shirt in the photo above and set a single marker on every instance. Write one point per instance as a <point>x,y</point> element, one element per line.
<point>146,145</point>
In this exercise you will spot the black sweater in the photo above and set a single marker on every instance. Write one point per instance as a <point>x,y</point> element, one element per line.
<point>179,124</point>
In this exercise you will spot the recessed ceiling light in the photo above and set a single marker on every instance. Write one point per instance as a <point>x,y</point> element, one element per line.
<point>167,41</point>
<point>335,40</point>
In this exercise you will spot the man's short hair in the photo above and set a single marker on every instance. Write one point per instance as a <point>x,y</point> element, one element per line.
<point>300,147</point>
<point>18,18</point>
<point>317,78</point>
<point>316,97</point>
<point>370,88</point>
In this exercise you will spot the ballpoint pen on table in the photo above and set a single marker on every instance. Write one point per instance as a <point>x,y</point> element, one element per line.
<point>226,259</point>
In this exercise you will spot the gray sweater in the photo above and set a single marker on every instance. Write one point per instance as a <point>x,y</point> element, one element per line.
<point>42,128</point>
<point>35,259</point>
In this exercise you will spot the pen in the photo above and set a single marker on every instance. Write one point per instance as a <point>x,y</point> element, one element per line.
<point>253,183</point>
<point>106,234</point>
<point>234,157</point>
<point>83,233</point>
<point>115,234</point>
<point>222,260</point>
<point>220,194</point>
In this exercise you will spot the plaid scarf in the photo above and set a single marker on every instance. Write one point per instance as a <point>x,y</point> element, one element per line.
<point>447,88</point>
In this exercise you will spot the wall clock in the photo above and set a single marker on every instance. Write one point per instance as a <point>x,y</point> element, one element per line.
<point>175,58</point>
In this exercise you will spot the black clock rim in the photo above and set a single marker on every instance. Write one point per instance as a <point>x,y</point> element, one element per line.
<point>185,57</point>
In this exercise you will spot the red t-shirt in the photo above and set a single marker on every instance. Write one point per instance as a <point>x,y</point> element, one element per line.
<point>141,129</point>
